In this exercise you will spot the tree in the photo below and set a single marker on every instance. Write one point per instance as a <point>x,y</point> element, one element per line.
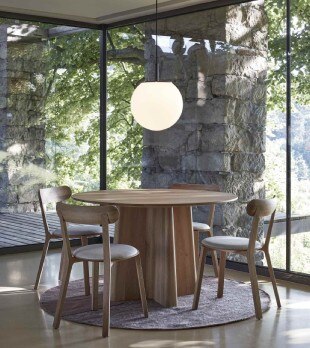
<point>73,94</point>
<point>276,100</point>
<point>300,41</point>
<point>72,108</point>
<point>124,134</point>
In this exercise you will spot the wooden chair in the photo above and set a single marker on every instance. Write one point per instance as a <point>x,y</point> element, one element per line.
<point>199,227</point>
<point>106,253</point>
<point>55,195</point>
<point>258,208</point>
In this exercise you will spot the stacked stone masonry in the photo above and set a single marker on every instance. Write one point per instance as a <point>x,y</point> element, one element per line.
<point>218,60</point>
<point>22,133</point>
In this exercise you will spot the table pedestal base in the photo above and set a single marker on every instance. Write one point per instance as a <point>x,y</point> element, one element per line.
<point>164,237</point>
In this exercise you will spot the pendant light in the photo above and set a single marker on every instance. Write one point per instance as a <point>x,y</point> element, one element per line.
<point>156,105</point>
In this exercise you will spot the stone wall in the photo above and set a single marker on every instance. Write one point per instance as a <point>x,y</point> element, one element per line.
<point>22,134</point>
<point>217,58</point>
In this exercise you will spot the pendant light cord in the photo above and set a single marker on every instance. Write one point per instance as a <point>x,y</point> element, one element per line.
<point>156,49</point>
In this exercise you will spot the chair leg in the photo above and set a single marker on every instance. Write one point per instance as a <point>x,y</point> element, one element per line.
<point>254,285</point>
<point>220,288</point>
<point>95,284</point>
<point>214,258</point>
<point>197,245</point>
<point>62,261</point>
<point>62,295</point>
<point>84,241</point>
<point>141,286</point>
<point>106,300</point>
<point>273,278</point>
<point>44,252</point>
<point>202,259</point>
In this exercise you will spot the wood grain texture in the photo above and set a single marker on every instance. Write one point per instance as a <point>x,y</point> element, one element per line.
<point>159,224</point>
<point>49,195</point>
<point>184,250</point>
<point>95,283</point>
<point>155,197</point>
<point>43,255</point>
<point>160,256</point>
<point>151,231</point>
<point>205,187</point>
<point>202,260</point>
<point>257,208</point>
<point>84,242</point>
<point>164,237</point>
<point>220,288</point>
<point>131,230</point>
<point>93,215</point>
<point>254,285</point>
<point>141,286</point>
<point>273,278</point>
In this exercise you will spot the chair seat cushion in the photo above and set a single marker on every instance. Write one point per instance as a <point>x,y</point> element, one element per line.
<point>228,243</point>
<point>75,230</point>
<point>199,226</point>
<point>94,252</point>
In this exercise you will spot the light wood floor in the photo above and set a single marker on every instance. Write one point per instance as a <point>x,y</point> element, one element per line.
<point>24,324</point>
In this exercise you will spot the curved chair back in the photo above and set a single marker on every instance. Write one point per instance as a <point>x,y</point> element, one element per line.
<point>259,208</point>
<point>88,215</point>
<point>211,187</point>
<point>52,195</point>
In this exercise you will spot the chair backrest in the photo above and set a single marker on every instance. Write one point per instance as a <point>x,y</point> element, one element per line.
<point>259,208</point>
<point>52,195</point>
<point>89,215</point>
<point>206,187</point>
<point>210,187</point>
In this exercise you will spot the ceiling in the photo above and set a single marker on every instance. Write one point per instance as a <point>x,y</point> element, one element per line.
<point>93,11</point>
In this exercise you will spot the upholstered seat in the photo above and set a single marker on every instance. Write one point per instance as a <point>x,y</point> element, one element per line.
<point>201,227</point>
<point>94,252</point>
<point>225,245</point>
<point>228,243</point>
<point>107,253</point>
<point>75,230</point>
<point>78,231</point>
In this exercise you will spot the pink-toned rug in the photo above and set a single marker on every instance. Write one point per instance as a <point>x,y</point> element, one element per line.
<point>235,305</point>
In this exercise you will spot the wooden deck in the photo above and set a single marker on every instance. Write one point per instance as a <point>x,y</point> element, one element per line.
<point>25,231</point>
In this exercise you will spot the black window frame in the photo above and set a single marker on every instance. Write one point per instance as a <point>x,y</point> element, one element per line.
<point>286,274</point>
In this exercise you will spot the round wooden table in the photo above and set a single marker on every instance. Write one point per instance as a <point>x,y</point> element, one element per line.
<point>158,223</point>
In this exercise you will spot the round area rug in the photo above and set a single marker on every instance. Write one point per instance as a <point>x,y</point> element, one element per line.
<point>235,305</point>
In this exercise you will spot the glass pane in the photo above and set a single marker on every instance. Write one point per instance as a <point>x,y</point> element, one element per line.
<point>124,135</point>
<point>232,129</point>
<point>300,239</point>
<point>72,108</point>
<point>218,61</point>
<point>275,156</point>
<point>49,119</point>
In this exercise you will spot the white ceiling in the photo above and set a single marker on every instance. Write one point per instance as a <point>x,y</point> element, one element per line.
<point>93,11</point>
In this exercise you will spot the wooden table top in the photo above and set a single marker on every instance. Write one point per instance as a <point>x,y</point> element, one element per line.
<point>155,197</point>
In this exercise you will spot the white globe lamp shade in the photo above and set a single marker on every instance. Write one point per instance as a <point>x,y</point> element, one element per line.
<point>156,105</point>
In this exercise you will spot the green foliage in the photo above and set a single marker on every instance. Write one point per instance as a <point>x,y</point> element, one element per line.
<point>276,13</point>
<point>300,55</point>
<point>72,109</point>
<point>300,244</point>
<point>276,102</point>
<point>72,100</point>
<point>124,134</point>
<point>300,34</point>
